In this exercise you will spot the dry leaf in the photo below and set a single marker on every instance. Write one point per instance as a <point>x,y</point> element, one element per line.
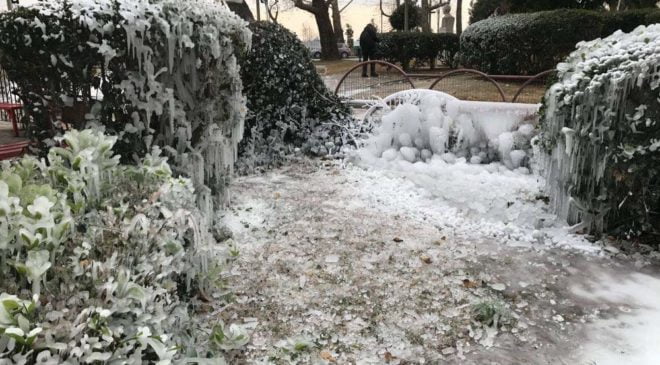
<point>470,284</point>
<point>440,241</point>
<point>327,356</point>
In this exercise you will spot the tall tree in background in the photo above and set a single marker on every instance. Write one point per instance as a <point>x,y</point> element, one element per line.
<point>415,14</point>
<point>321,11</point>
<point>427,7</point>
<point>482,9</point>
<point>336,21</point>
<point>459,17</point>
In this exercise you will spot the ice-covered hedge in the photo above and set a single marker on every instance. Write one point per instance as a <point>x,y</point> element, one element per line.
<point>601,129</point>
<point>289,106</point>
<point>522,44</point>
<point>404,47</point>
<point>161,72</point>
<point>102,263</point>
<point>526,44</point>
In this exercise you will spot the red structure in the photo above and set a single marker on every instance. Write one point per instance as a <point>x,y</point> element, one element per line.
<point>10,109</point>
<point>12,150</point>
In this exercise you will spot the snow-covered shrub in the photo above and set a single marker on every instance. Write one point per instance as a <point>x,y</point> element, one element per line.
<point>521,44</point>
<point>161,72</point>
<point>289,106</point>
<point>601,130</point>
<point>526,44</point>
<point>100,262</point>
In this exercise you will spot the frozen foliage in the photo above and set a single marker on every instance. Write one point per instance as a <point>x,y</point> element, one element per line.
<point>437,141</point>
<point>289,106</point>
<point>99,261</point>
<point>602,135</point>
<point>167,71</point>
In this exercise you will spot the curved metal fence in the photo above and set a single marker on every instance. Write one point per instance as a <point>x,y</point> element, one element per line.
<point>465,84</point>
<point>528,92</point>
<point>389,80</point>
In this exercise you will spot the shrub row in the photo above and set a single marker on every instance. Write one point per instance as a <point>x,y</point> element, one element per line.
<point>533,42</point>
<point>404,47</point>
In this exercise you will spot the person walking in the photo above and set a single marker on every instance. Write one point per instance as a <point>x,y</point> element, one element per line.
<point>368,41</point>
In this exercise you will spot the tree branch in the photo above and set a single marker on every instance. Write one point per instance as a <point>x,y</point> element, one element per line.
<point>383,11</point>
<point>345,6</point>
<point>277,11</point>
<point>438,5</point>
<point>304,6</point>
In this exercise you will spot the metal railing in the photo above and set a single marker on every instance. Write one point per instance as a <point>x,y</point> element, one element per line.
<point>465,84</point>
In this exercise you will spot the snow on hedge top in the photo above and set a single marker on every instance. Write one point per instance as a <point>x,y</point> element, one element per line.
<point>624,60</point>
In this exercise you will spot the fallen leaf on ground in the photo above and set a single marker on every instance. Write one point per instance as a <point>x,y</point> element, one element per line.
<point>470,284</point>
<point>327,356</point>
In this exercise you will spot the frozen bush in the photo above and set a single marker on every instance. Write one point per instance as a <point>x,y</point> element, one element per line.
<point>289,106</point>
<point>526,44</point>
<point>102,262</point>
<point>601,132</point>
<point>161,72</point>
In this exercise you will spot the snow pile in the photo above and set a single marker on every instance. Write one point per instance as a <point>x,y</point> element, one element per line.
<point>601,134</point>
<point>476,160</point>
<point>428,132</point>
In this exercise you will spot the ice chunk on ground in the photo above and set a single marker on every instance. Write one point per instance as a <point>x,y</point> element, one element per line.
<point>409,153</point>
<point>390,154</point>
<point>517,157</point>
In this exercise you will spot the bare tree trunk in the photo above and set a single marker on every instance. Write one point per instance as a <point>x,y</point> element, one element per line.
<point>321,11</point>
<point>459,17</point>
<point>426,24</point>
<point>242,9</point>
<point>329,49</point>
<point>336,21</point>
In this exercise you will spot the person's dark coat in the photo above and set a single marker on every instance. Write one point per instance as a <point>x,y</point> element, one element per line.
<point>368,39</point>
